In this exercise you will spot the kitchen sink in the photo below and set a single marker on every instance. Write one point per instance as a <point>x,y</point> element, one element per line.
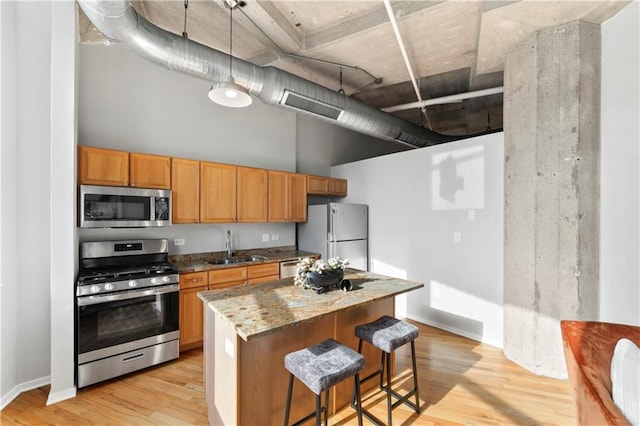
<point>236,259</point>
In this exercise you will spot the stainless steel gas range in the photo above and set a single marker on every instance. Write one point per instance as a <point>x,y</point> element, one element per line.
<point>126,308</point>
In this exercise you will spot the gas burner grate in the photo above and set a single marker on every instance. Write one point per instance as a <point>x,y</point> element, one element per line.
<point>161,268</point>
<point>91,277</point>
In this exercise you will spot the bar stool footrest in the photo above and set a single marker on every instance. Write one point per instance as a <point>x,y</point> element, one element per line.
<point>404,400</point>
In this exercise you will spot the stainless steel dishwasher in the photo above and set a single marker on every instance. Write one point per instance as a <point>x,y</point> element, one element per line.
<point>288,268</point>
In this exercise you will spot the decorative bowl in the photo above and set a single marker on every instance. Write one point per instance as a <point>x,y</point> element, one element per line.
<point>321,282</point>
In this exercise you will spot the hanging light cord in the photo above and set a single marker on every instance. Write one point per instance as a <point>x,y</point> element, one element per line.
<point>230,41</point>
<point>186,6</point>
<point>341,91</point>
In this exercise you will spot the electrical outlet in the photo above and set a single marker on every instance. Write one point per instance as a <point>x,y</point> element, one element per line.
<point>471,215</point>
<point>228,347</point>
<point>178,241</point>
<point>457,237</point>
<point>265,238</point>
<point>275,237</point>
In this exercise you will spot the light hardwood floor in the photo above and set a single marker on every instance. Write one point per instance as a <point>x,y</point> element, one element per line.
<point>461,382</point>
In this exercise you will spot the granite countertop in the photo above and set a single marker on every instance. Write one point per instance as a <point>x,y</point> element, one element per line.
<point>198,262</point>
<point>256,310</point>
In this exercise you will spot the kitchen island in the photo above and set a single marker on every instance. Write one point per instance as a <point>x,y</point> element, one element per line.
<point>249,329</point>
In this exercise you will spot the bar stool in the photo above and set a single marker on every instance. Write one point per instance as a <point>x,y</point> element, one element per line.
<point>321,367</point>
<point>388,334</point>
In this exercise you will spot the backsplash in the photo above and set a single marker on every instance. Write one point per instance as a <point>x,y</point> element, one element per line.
<point>203,238</point>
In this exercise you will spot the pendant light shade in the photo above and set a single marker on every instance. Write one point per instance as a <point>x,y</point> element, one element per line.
<point>229,94</point>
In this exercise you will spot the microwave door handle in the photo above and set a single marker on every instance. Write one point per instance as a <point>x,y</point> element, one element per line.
<point>94,300</point>
<point>152,208</point>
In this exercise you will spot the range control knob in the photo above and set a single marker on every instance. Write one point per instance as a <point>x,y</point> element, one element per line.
<point>166,279</point>
<point>95,288</point>
<point>133,283</point>
<point>108,286</point>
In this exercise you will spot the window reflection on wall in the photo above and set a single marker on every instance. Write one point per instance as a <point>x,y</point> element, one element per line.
<point>457,179</point>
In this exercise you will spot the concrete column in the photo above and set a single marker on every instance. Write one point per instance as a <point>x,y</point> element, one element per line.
<point>552,187</point>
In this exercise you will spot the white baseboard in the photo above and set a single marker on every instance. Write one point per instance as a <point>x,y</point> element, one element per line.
<point>55,397</point>
<point>10,396</point>
<point>23,387</point>
<point>458,331</point>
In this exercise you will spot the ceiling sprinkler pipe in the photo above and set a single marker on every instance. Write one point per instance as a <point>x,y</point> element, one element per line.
<point>446,99</point>
<point>403,50</point>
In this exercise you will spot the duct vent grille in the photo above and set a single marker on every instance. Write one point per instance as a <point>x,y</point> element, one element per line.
<point>411,139</point>
<point>312,106</point>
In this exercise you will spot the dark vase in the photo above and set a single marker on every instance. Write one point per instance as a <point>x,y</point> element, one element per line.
<point>321,282</point>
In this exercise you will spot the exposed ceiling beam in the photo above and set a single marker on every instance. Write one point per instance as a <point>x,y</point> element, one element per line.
<point>364,22</point>
<point>265,22</point>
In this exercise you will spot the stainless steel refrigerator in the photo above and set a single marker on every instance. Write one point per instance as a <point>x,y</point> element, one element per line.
<point>337,229</point>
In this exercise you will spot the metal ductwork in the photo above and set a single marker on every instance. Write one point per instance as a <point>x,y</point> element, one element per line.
<point>119,22</point>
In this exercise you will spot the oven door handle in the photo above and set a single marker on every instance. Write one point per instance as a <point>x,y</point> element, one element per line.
<point>94,300</point>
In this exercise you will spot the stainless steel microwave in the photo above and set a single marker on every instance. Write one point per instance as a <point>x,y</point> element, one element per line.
<point>122,207</point>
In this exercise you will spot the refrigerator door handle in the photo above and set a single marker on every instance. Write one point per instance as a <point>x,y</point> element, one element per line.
<point>331,222</point>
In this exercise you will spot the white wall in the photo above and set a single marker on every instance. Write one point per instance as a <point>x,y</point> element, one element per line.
<point>130,104</point>
<point>8,206</point>
<point>30,179</point>
<point>420,201</point>
<point>620,165</point>
<point>33,59</point>
<point>321,145</point>
<point>63,248</point>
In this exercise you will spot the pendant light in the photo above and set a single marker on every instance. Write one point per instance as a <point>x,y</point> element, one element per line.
<point>228,93</point>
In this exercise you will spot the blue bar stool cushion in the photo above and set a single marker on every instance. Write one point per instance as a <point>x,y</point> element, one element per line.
<point>324,365</point>
<point>387,333</point>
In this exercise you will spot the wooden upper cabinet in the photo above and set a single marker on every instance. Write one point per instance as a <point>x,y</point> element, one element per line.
<point>332,187</point>
<point>278,196</point>
<point>98,166</point>
<point>317,185</point>
<point>252,194</point>
<point>297,197</point>
<point>287,197</point>
<point>217,192</point>
<point>185,190</point>
<point>338,187</point>
<point>149,171</point>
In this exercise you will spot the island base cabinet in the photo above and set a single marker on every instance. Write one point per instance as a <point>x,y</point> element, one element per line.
<point>220,370</point>
<point>264,379</point>
<point>250,387</point>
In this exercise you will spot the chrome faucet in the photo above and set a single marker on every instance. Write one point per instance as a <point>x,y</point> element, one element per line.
<point>228,244</point>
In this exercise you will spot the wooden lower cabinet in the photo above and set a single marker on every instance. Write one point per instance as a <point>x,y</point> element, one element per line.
<point>191,318</point>
<point>191,313</point>
<point>263,273</point>
<point>191,308</point>
<point>218,277</point>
